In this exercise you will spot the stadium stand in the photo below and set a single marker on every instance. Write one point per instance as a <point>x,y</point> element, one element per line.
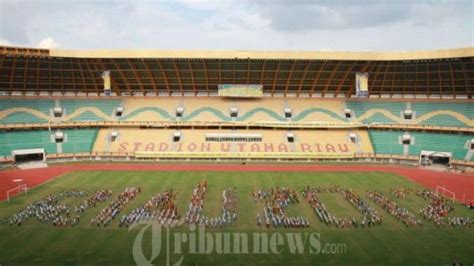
<point>306,103</point>
<point>10,141</point>
<point>389,142</point>
<point>307,110</point>
<point>18,111</point>
<point>444,113</point>
<point>377,112</point>
<point>454,143</point>
<point>210,110</point>
<point>249,110</point>
<point>88,110</point>
<point>386,142</point>
<point>75,140</point>
<point>327,140</point>
<point>79,140</point>
<point>130,139</point>
<point>150,109</point>
<point>305,141</point>
<point>424,113</point>
<point>260,110</point>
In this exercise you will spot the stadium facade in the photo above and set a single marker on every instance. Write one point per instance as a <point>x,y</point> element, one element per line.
<point>411,107</point>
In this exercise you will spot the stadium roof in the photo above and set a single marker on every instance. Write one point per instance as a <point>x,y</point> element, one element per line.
<point>441,72</point>
<point>243,54</point>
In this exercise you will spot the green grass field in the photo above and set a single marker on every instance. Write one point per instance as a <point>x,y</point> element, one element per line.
<point>389,243</point>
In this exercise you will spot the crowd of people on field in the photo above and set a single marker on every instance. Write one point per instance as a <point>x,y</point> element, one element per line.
<point>393,209</point>
<point>426,194</point>
<point>160,208</point>
<point>107,214</point>
<point>196,204</point>
<point>275,203</point>
<point>260,195</point>
<point>437,209</point>
<point>48,210</point>
<point>461,221</point>
<point>98,196</point>
<point>163,209</point>
<point>401,193</point>
<point>195,215</point>
<point>229,205</point>
<point>311,195</point>
<point>371,217</point>
<point>324,189</point>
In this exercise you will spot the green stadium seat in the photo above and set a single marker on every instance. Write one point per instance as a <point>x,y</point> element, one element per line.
<point>454,143</point>
<point>426,113</point>
<point>16,140</point>
<point>387,142</point>
<point>360,108</point>
<point>18,117</point>
<point>77,140</point>
<point>465,109</point>
<point>105,106</point>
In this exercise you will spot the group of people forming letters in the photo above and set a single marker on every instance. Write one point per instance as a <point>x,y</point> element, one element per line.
<point>49,210</point>
<point>195,213</point>
<point>276,200</point>
<point>438,208</point>
<point>162,208</point>
<point>370,216</point>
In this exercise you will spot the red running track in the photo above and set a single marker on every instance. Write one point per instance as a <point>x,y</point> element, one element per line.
<point>461,184</point>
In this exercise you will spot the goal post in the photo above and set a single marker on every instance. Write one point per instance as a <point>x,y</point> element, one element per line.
<point>21,188</point>
<point>445,192</point>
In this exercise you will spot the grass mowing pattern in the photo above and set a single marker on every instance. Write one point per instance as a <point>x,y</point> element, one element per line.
<point>389,243</point>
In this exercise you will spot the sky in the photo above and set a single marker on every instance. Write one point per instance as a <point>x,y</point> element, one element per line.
<point>337,25</point>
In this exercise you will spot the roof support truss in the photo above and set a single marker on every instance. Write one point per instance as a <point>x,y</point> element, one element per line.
<point>452,78</point>
<point>333,73</point>
<point>316,79</point>
<point>83,77</point>
<point>93,78</point>
<point>343,80</point>
<point>205,75</point>
<point>263,72</point>
<point>25,74</point>
<point>11,73</point>
<point>129,89</point>
<point>165,77</point>
<point>275,78</point>
<point>300,86</point>
<point>134,70</point>
<point>180,82</point>
<point>290,75</point>
<point>150,76</point>
<point>192,77</point>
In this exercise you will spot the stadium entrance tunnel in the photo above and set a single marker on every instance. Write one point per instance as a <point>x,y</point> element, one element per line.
<point>28,155</point>
<point>435,158</point>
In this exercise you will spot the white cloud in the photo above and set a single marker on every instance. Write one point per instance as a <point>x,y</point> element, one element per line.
<point>207,4</point>
<point>47,43</point>
<point>239,24</point>
<point>235,19</point>
<point>5,42</point>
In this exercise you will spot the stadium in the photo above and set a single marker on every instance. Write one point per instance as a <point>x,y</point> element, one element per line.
<point>97,145</point>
